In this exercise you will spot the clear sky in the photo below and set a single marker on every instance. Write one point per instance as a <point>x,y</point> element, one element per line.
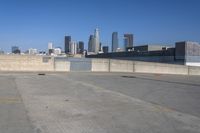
<point>34,23</point>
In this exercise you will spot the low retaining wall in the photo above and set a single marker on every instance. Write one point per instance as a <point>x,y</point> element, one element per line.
<point>106,65</point>
<point>193,70</point>
<point>100,65</point>
<point>45,63</point>
<point>31,63</point>
<point>146,67</point>
<point>121,66</point>
<point>25,63</point>
<point>62,66</point>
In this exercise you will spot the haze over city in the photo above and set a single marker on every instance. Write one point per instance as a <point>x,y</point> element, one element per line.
<point>34,23</point>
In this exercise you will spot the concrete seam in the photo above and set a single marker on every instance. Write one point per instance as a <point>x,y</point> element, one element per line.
<point>109,65</point>
<point>133,66</point>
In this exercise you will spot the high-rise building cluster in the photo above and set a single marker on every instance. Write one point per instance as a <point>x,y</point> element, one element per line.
<point>73,47</point>
<point>53,51</point>
<point>128,42</point>
<point>94,44</point>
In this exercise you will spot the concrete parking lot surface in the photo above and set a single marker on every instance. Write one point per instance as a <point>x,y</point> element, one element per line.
<point>99,103</point>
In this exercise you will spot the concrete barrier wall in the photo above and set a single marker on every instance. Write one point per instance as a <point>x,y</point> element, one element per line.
<point>80,64</point>
<point>25,63</point>
<point>192,70</point>
<point>121,66</point>
<point>40,63</point>
<point>62,66</point>
<point>146,67</point>
<point>107,65</point>
<point>100,65</point>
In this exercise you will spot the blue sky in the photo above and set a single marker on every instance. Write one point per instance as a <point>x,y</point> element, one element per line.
<point>34,23</point>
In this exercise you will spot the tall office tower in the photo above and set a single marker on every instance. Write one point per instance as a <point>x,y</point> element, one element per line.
<point>128,41</point>
<point>91,44</point>
<point>67,44</point>
<point>97,40</point>
<point>50,45</point>
<point>115,44</point>
<point>80,47</point>
<point>50,48</point>
<point>73,48</point>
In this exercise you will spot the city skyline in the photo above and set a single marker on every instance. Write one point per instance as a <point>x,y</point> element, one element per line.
<point>35,23</point>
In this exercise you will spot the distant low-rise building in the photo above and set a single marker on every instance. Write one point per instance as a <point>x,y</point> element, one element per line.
<point>42,53</point>
<point>146,48</point>
<point>119,50</point>
<point>32,51</point>
<point>57,51</point>
<point>189,52</point>
<point>1,51</point>
<point>15,50</point>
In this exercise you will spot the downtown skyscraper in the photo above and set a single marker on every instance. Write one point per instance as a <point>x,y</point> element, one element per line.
<point>67,44</point>
<point>97,40</point>
<point>128,41</point>
<point>94,42</point>
<point>80,47</point>
<point>115,44</point>
<point>73,47</point>
<point>91,44</point>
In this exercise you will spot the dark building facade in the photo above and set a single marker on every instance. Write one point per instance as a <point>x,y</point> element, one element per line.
<point>51,51</point>
<point>187,51</point>
<point>80,48</point>
<point>115,44</point>
<point>15,50</point>
<point>100,46</point>
<point>67,44</point>
<point>180,50</point>
<point>91,43</point>
<point>105,49</point>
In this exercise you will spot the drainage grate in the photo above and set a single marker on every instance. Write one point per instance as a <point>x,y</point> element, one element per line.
<point>42,74</point>
<point>128,77</point>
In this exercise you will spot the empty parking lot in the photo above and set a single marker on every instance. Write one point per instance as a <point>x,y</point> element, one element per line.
<point>99,103</point>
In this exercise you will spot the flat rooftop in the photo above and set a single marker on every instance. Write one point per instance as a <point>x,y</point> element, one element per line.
<point>99,103</point>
